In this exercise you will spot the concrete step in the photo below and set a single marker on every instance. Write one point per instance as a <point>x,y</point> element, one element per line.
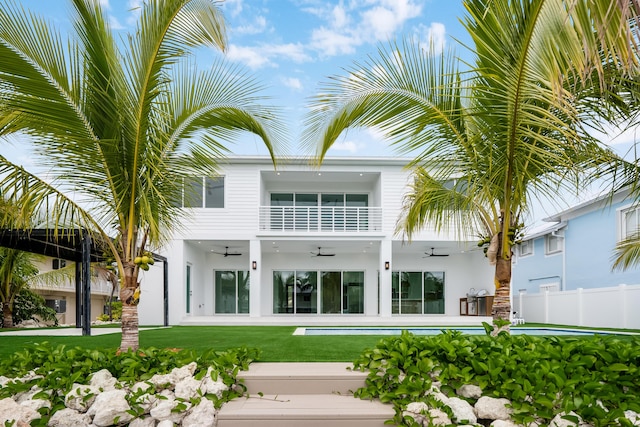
<point>308,410</point>
<point>302,395</point>
<point>302,378</point>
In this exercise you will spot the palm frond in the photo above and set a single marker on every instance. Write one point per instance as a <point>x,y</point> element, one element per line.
<point>627,253</point>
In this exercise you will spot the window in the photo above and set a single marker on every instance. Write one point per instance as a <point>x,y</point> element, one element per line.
<point>525,248</point>
<point>59,305</point>
<point>338,292</point>
<point>630,222</point>
<point>553,244</point>
<point>231,292</point>
<point>417,292</point>
<point>203,192</point>
<point>57,264</point>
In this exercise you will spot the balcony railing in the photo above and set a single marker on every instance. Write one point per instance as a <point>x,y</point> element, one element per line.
<point>314,219</point>
<point>97,287</point>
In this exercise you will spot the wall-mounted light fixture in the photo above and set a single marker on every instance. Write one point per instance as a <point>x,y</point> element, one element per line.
<point>254,264</point>
<point>386,265</point>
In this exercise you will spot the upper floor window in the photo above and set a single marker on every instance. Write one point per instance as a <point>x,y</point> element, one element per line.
<point>553,244</point>
<point>203,192</point>
<point>630,222</point>
<point>525,248</point>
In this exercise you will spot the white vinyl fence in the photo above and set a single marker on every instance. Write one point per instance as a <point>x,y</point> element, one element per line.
<point>613,307</point>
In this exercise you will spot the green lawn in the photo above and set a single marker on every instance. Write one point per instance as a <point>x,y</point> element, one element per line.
<point>276,342</point>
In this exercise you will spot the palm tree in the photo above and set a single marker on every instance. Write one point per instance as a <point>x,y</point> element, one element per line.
<point>120,124</point>
<point>513,124</point>
<point>16,269</point>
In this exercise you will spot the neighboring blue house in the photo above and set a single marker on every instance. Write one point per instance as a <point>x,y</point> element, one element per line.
<point>576,250</point>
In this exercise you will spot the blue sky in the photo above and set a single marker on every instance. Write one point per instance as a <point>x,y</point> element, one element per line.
<point>292,45</point>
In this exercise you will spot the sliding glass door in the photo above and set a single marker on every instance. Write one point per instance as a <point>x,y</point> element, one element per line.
<point>231,292</point>
<point>414,292</point>
<point>318,292</point>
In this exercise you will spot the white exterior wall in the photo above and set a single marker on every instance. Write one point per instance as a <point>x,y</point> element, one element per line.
<point>248,185</point>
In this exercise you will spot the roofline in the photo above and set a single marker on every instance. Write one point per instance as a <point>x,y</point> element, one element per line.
<point>593,201</point>
<point>310,160</point>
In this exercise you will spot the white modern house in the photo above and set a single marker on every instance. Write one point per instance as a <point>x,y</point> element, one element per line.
<point>306,245</point>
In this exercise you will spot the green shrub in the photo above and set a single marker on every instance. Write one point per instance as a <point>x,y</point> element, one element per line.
<point>28,305</point>
<point>61,367</point>
<point>540,375</point>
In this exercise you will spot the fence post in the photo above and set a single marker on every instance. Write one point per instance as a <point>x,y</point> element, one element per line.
<point>546,306</point>
<point>623,303</point>
<point>580,307</point>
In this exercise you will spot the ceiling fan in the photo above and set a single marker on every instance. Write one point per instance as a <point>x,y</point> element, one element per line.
<point>227,253</point>
<point>428,254</point>
<point>319,253</point>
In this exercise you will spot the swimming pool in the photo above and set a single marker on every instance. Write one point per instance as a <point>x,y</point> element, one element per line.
<point>311,331</point>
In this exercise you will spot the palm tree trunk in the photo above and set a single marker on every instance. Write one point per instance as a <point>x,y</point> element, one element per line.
<point>502,299</point>
<point>7,315</point>
<point>130,336</point>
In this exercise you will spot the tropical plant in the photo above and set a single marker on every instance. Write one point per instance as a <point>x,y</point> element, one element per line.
<point>120,124</point>
<point>29,305</point>
<point>16,268</point>
<point>514,124</point>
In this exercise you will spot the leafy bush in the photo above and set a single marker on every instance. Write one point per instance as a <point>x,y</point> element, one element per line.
<point>61,367</point>
<point>29,305</point>
<point>116,312</point>
<point>540,375</point>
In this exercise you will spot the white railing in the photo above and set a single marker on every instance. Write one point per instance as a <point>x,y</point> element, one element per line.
<point>97,287</point>
<point>611,307</point>
<point>313,218</point>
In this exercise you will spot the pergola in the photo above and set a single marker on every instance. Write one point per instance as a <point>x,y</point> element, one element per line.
<point>73,245</point>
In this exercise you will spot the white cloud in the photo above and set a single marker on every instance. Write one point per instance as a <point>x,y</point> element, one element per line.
<point>348,146</point>
<point>115,24</point>
<point>331,43</point>
<point>258,26</point>
<point>292,83</point>
<point>433,36</point>
<point>350,25</point>
<point>235,7</point>
<point>105,4</point>
<point>266,55</point>
<point>250,56</point>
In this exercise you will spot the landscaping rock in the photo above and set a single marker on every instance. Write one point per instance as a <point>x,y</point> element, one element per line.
<point>560,420</point>
<point>69,418</point>
<point>490,408</point>
<point>164,411</point>
<point>470,391</point>
<point>201,415</point>
<point>187,388</point>
<point>504,423</point>
<point>81,397</point>
<point>417,411</point>
<point>110,408</point>
<point>13,412</point>
<point>632,416</point>
<point>462,411</point>
<point>143,422</point>
<point>103,380</point>
<point>438,418</point>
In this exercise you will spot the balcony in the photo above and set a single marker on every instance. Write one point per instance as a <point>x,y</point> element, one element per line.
<point>302,219</point>
<point>99,287</point>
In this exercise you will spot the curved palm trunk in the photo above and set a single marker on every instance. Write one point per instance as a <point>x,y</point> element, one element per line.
<point>7,315</point>
<point>130,336</point>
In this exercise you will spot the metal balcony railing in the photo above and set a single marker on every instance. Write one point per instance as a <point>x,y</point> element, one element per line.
<point>314,219</point>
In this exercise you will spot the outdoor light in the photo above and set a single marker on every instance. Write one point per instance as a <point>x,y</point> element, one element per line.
<point>386,265</point>
<point>254,264</point>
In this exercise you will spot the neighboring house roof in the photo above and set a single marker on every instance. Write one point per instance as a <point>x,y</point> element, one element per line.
<point>543,230</point>
<point>589,205</point>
